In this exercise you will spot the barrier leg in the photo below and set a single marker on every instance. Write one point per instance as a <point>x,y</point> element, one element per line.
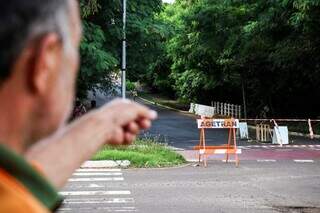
<point>204,148</point>
<point>310,130</point>
<point>235,147</point>
<point>228,147</point>
<point>200,145</point>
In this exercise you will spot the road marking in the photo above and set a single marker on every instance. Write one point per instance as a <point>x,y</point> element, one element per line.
<point>266,160</point>
<point>97,174</point>
<point>90,193</point>
<point>231,161</point>
<point>94,186</point>
<point>304,161</point>
<point>98,170</point>
<point>221,151</point>
<point>276,146</point>
<point>98,200</point>
<point>95,179</point>
<point>108,209</point>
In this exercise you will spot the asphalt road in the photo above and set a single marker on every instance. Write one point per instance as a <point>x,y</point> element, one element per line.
<point>220,188</point>
<point>257,187</point>
<point>180,130</point>
<point>267,186</point>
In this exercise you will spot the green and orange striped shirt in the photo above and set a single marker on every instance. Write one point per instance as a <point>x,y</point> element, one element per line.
<point>22,188</point>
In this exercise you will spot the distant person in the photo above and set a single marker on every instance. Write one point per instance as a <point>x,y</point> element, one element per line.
<point>39,151</point>
<point>93,105</point>
<point>78,110</point>
<point>134,94</point>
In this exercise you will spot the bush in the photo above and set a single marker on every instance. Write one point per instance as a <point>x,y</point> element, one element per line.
<point>130,86</point>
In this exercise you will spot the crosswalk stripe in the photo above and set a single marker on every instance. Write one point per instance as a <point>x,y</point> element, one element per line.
<point>108,209</point>
<point>99,201</point>
<point>98,170</point>
<point>95,179</point>
<point>97,174</point>
<point>89,193</point>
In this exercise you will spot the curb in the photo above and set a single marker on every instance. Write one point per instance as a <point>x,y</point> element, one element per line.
<point>106,164</point>
<point>164,106</point>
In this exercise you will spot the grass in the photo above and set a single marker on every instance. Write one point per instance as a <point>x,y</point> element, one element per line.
<point>164,100</point>
<point>144,153</point>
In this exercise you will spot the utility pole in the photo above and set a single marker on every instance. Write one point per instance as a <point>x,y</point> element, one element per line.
<point>124,49</point>
<point>244,96</point>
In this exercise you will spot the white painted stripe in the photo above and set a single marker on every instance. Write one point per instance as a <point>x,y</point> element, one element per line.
<point>90,193</point>
<point>230,161</point>
<point>98,170</point>
<point>224,151</point>
<point>266,160</point>
<point>97,174</point>
<point>303,161</point>
<point>93,185</point>
<point>95,179</point>
<point>98,201</point>
<point>264,146</point>
<point>108,209</point>
<point>219,151</point>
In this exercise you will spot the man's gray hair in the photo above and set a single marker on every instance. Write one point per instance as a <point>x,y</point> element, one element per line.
<point>57,21</point>
<point>24,20</point>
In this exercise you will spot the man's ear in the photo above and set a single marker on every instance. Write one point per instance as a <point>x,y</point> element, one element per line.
<point>45,63</point>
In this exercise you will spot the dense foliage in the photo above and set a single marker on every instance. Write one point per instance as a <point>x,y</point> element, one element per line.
<point>101,45</point>
<point>204,50</point>
<point>268,50</point>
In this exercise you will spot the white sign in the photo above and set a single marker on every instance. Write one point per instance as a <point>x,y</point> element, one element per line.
<point>244,133</point>
<point>202,110</point>
<point>280,135</point>
<point>217,123</point>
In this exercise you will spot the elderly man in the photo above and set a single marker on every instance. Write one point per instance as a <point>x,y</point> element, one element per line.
<point>38,65</point>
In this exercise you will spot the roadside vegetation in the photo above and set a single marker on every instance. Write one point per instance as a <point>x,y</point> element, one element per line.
<point>210,50</point>
<point>144,153</point>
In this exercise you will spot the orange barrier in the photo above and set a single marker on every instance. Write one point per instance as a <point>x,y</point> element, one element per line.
<point>230,148</point>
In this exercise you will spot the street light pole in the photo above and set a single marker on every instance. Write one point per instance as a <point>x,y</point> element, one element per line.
<point>124,50</point>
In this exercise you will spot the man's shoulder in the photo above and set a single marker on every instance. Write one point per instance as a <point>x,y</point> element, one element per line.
<point>20,175</point>
<point>14,197</point>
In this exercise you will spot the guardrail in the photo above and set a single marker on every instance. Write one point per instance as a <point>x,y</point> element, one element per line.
<point>227,109</point>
